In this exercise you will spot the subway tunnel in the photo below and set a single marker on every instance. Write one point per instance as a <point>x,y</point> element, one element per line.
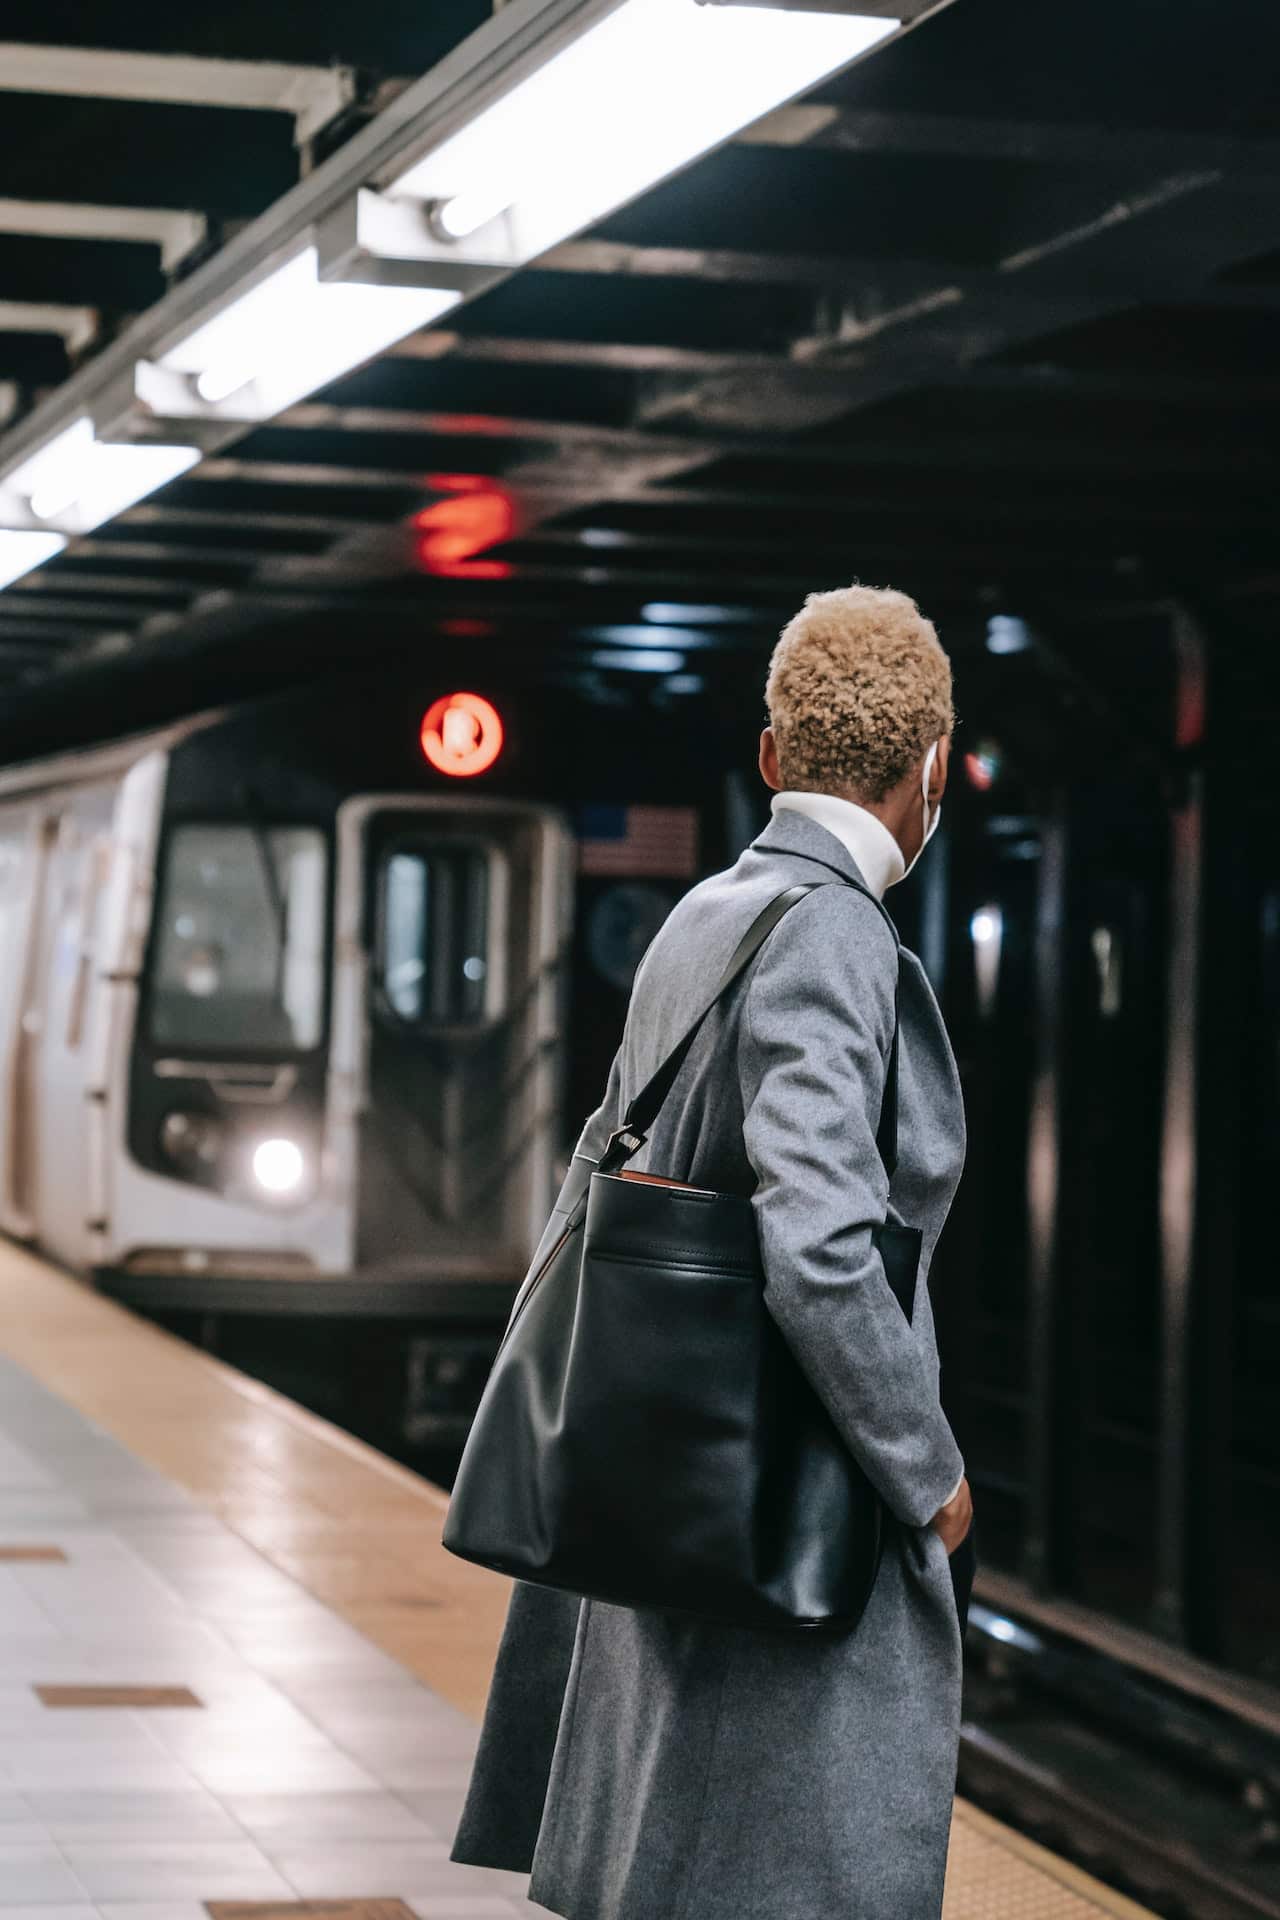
<point>414,434</point>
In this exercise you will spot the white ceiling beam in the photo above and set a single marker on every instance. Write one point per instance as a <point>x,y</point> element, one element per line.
<point>176,234</point>
<point>77,326</point>
<point>312,95</point>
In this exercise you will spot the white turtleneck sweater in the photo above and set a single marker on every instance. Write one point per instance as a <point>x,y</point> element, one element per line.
<point>875,851</point>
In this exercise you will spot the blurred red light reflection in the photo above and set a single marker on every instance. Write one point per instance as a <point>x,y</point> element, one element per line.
<point>475,514</point>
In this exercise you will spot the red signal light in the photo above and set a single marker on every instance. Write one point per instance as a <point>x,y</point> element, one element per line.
<point>474,514</point>
<point>461,734</point>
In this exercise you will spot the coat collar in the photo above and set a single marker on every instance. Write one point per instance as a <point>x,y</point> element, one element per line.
<point>796,833</point>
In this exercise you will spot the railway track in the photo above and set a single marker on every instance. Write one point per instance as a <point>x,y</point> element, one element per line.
<point>1169,1799</point>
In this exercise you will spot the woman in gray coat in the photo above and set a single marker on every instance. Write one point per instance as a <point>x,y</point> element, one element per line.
<point>644,1766</point>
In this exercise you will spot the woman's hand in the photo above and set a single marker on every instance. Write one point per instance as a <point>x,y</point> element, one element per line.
<point>953,1521</point>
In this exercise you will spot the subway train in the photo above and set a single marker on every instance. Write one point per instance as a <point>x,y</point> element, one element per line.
<point>283,990</point>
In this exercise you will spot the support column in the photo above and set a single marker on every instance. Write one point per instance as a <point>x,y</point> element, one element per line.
<point>1044,1188</point>
<point>1179,1155</point>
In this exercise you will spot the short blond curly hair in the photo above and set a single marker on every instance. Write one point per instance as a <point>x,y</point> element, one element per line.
<point>858,687</point>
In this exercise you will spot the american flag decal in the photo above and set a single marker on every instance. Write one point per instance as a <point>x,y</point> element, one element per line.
<point>638,840</point>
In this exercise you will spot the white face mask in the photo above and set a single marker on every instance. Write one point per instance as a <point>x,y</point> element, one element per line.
<point>930,825</point>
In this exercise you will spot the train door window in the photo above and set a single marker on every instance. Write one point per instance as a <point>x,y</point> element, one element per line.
<point>435,933</point>
<point>239,959</point>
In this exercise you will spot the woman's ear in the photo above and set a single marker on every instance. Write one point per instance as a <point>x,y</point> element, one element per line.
<point>769,771</point>
<point>938,773</point>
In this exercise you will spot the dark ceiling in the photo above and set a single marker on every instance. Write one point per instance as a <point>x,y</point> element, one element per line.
<point>996,324</point>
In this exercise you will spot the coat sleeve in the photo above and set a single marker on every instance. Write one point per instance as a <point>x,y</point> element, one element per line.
<point>607,1116</point>
<point>816,1031</point>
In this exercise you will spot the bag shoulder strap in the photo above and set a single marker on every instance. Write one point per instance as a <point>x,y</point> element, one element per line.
<point>648,1103</point>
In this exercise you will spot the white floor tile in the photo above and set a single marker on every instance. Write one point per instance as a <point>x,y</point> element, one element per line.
<point>439,1807</point>
<point>448,1906</point>
<point>447,1881</point>
<point>514,1885</point>
<point>279,1821</point>
<point>43,1912</point>
<point>19,1611</point>
<point>316,1767</point>
<point>189,1734</point>
<point>408,1772</point>
<point>151,1910</point>
<point>37,1874</point>
<point>185,1869</point>
<point>376,1869</point>
<point>86,1815</point>
<point>51,1764</point>
<point>243,1770</point>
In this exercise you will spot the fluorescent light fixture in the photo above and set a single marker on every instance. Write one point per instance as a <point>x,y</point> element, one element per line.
<point>683,613</point>
<point>80,481</point>
<point>466,213</point>
<point>293,333</point>
<point>120,473</point>
<point>647,639</point>
<point>50,478</point>
<point>637,660</point>
<point>20,552</point>
<point>638,94</point>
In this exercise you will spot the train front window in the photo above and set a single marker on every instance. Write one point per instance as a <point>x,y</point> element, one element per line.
<point>239,960</point>
<point>433,935</point>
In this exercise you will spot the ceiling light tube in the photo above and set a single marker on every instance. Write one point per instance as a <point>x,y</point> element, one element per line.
<point>292,333</point>
<point>119,474</point>
<point>21,551</point>
<point>80,481</point>
<point>49,479</point>
<point>643,89</point>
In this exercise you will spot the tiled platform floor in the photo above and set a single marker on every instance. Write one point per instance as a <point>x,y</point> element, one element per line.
<point>167,1523</point>
<point>316,1766</point>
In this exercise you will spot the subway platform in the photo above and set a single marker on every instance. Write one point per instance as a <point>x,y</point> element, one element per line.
<point>239,1677</point>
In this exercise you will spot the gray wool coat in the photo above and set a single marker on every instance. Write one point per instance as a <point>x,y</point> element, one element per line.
<point>649,1767</point>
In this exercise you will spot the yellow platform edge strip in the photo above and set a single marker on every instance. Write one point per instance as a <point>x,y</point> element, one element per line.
<point>1045,1861</point>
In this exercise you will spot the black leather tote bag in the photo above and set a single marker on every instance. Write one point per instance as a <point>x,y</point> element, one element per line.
<point>646,1436</point>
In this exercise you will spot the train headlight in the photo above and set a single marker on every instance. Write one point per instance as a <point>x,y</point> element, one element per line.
<point>193,1142</point>
<point>279,1166</point>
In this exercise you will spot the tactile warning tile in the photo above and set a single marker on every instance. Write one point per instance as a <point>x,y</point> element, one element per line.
<point>117,1696</point>
<point>23,1554</point>
<point>308,1910</point>
<point>994,1873</point>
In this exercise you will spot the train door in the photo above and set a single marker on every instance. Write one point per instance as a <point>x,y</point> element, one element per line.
<point>1097,1330</point>
<point>27,837</point>
<point>1234,1500</point>
<point>1047,1289</point>
<point>976,906</point>
<point>453,926</point>
<point>29,1032</point>
<point>76,847</point>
